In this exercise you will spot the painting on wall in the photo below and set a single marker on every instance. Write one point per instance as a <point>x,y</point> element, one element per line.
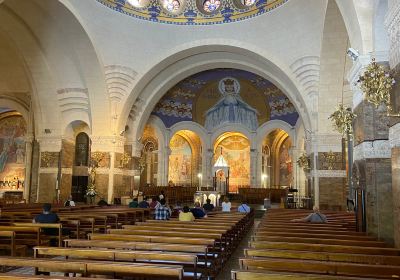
<point>180,161</point>
<point>12,151</point>
<point>225,95</point>
<point>285,165</point>
<point>236,151</point>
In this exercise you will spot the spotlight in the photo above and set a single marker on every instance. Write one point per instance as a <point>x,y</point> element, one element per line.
<point>353,54</point>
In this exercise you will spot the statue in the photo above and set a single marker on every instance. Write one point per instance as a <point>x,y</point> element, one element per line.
<point>231,108</point>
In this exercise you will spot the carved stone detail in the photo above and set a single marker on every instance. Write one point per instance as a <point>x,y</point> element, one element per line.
<point>329,173</point>
<point>372,149</point>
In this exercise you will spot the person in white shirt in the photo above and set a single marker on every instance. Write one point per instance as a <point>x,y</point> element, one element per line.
<point>226,205</point>
<point>69,202</point>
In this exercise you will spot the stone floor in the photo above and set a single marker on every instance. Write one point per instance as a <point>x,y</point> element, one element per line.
<point>233,262</point>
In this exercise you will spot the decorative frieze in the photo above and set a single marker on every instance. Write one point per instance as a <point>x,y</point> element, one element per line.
<point>329,173</point>
<point>372,149</point>
<point>108,143</point>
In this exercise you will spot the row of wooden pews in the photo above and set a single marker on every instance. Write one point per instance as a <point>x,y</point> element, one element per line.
<point>281,249</point>
<point>147,249</point>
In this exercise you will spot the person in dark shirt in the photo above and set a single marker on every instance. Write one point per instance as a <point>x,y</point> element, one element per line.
<point>102,202</point>
<point>197,211</point>
<point>144,203</point>
<point>208,206</point>
<point>47,217</point>
<point>134,203</point>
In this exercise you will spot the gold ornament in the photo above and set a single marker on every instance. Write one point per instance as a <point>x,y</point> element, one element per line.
<point>342,119</point>
<point>125,159</point>
<point>46,158</point>
<point>376,83</point>
<point>304,161</point>
<point>330,159</point>
<point>96,158</point>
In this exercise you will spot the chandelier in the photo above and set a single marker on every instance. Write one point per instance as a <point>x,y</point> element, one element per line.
<point>342,119</point>
<point>376,83</point>
<point>304,161</point>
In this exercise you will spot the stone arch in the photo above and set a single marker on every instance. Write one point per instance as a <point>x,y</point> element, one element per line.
<point>219,130</point>
<point>269,126</point>
<point>204,55</point>
<point>192,126</point>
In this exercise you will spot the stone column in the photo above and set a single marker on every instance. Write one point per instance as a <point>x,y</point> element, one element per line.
<point>253,168</point>
<point>372,150</point>
<point>393,28</point>
<point>209,166</point>
<point>50,148</point>
<point>28,166</point>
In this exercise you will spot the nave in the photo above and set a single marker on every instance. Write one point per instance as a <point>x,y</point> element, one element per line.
<point>123,243</point>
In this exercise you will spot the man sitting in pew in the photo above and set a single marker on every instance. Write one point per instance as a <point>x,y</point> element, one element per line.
<point>162,212</point>
<point>197,211</point>
<point>315,217</point>
<point>48,217</point>
<point>208,206</point>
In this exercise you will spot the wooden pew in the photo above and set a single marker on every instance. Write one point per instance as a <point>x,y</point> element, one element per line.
<point>323,256</point>
<point>337,241</point>
<point>273,275</point>
<point>321,267</point>
<point>88,267</point>
<point>206,259</point>
<point>25,235</point>
<point>324,248</point>
<point>8,237</point>
<point>11,276</point>
<point>57,226</point>
<point>185,259</point>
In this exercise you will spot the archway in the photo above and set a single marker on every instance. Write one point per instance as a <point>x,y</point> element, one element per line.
<point>235,148</point>
<point>13,128</point>
<point>185,160</point>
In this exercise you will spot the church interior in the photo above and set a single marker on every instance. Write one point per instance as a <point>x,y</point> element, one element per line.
<point>117,115</point>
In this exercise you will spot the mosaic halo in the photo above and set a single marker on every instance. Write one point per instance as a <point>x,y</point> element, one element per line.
<point>193,12</point>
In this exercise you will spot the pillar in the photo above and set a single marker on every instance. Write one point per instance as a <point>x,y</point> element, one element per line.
<point>372,150</point>
<point>393,30</point>
<point>28,166</point>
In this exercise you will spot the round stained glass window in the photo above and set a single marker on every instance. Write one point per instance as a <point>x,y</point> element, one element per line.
<point>138,3</point>
<point>248,3</point>
<point>211,6</point>
<point>172,5</point>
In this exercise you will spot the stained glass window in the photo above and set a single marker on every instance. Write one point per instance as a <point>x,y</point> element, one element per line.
<point>82,149</point>
<point>248,2</point>
<point>172,5</point>
<point>211,5</point>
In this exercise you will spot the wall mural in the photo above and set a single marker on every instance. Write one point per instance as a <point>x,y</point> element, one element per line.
<point>12,152</point>
<point>180,161</point>
<point>236,151</point>
<point>225,95</point>
<point>285,164</point>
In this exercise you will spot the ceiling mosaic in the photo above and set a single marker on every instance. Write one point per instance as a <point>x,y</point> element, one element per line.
<point>193,12</point>
<point>223,95</point>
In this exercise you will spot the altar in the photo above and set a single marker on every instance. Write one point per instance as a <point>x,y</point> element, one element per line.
<point>202,196</point>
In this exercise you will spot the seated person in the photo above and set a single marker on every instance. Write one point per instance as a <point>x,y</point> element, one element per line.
<point>244,208</point>
<point>171,184</point>
<point>102,202</point>
<point>133,203</point>
<point>197,211</point>
<point>226,205</point>
<point>69,202</point>
<point>161,195</point>
<point>144,203</point>
<point>176,210</point>
<point>315,217</point>
<point>162,212</point>
<point>154,203</point>
<point>208,206</point>
<point>186,215</point>
<point>47,217</point>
